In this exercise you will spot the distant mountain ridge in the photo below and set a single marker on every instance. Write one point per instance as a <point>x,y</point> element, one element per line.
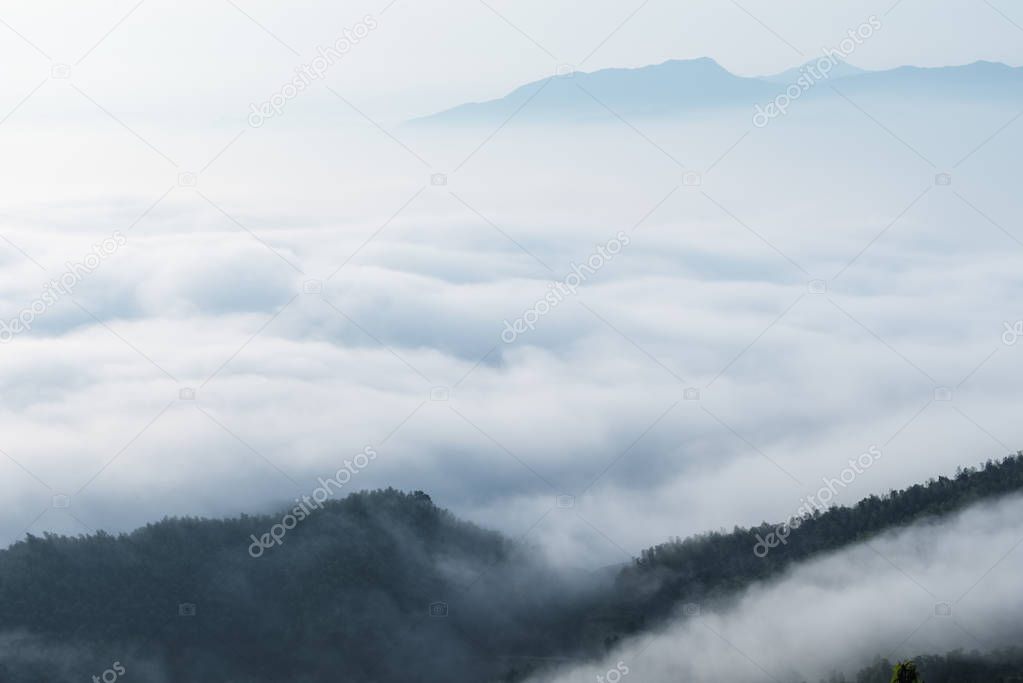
<point>679,87</point>
<point>837,71</point>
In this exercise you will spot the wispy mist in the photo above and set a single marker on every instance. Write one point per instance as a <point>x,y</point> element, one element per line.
<point>927,589</point>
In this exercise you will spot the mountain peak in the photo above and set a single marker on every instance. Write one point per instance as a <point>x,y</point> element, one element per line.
<point>814,68</point>
<point>679,87</point>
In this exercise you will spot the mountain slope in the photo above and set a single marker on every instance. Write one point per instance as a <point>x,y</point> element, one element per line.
<point>692,569</point>
<point>349,592</point>
<point>671,88</point>
<point>838,71</point>
<point>680,87</point>
<point>976,80</point>
<point>383,586</point>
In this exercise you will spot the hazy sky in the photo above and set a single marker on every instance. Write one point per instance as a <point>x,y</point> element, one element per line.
<point>194,59</point>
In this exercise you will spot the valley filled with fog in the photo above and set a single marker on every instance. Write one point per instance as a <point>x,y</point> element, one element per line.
<point>319,292</point>
<point>558,321</point>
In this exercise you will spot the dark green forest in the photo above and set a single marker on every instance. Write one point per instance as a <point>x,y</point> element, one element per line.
<point>692,569</point>
<point>386,586</point>
<point>1002,666</point>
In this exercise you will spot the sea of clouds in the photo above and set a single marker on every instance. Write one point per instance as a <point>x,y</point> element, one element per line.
<point>789,297</point>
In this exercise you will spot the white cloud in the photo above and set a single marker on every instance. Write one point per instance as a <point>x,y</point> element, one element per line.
<point>431,272</point>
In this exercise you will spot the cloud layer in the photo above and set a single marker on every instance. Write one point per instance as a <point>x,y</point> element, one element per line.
<point>330,301</point>
<point>927,589</point>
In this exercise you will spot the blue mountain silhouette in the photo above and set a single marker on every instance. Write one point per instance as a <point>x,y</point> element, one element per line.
<point>679,87</point>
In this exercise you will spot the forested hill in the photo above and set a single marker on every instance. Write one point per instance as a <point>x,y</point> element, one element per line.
<point>380,586</point>
<point>692,569</point>
<point>346,596</point>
